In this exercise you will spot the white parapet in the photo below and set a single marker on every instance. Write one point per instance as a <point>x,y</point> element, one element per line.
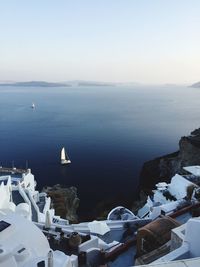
<point>181,263</point>
<point>178,186</point>
<point>192,236</point>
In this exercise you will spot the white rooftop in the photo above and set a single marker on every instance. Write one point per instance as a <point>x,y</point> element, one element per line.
<point>193,170</point>
<point>181,263</point>
<point>161,184</point>
<point>23,244</point>
<point>178,186</point>
<point>168,207</point>
<point>21,241</point>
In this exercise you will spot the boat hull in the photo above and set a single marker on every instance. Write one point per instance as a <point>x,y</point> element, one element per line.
<point>63,162</point>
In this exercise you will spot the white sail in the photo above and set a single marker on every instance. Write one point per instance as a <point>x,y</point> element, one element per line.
<point>64,159</point>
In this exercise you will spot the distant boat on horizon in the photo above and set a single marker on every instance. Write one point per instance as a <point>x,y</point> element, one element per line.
<point>33,105</point>
<point>64,157</point>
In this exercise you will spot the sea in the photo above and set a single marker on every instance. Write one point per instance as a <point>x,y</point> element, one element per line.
<point>107,131</point>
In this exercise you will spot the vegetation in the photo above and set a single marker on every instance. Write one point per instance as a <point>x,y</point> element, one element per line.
<point>169,196</point>
<point>190,190</point>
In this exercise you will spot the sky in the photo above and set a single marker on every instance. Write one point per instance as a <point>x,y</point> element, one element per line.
<point>147,41</point>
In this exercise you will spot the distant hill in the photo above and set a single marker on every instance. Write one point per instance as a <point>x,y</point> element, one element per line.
<point>196,85</point>
<point>97,83</point>
<point>36,84</point>
<point>85,83</point>
<point>80,83</point>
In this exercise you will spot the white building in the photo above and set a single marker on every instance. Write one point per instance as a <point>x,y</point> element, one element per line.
<point>167,197</point>
<point>18,193</point>
<point>23,244</point>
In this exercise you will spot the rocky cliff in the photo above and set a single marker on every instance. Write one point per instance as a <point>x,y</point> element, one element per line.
<point>163,168</point>
<point>64,200</point>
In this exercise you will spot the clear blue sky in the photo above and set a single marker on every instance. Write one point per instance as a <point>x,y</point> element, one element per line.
<point>149,41</point>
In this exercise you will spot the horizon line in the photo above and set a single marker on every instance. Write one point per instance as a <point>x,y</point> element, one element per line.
<point>99,82</point>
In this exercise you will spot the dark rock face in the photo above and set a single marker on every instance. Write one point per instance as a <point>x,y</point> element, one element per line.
<point>163,168</point>
<point>65,201</point>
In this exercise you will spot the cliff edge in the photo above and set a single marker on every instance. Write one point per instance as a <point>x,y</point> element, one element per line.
<point>163,168</point>
<point>65,201</point>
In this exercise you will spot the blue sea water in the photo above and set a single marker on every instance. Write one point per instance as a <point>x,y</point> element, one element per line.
<point>108,132</point>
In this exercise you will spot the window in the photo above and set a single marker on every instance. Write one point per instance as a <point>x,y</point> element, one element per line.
<point>4,225</point>
<point>41,264</point>
<point>21,250</point>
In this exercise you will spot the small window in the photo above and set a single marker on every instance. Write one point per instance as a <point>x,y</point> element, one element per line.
<point>162,212</point>
<point>58,229</point>
<point>21,250</point>
<point>41,264</point>
<point>4,225</point>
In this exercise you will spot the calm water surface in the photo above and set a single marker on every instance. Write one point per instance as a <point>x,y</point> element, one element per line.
<point>108,133</point>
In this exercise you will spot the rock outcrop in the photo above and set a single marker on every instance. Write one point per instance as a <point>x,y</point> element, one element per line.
<point>65,201</point>
<point>196,85</point>
<point>163,168</point>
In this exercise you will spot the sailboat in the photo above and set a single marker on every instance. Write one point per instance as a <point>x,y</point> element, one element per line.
<point>64,157</point>
<point>33,105</point>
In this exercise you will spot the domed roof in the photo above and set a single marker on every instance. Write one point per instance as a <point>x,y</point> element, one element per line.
<point>155,234</point>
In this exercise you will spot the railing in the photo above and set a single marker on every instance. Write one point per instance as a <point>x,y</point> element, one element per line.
<point>23,194</point>
<point>34,204</point>
<point>12,170</point>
